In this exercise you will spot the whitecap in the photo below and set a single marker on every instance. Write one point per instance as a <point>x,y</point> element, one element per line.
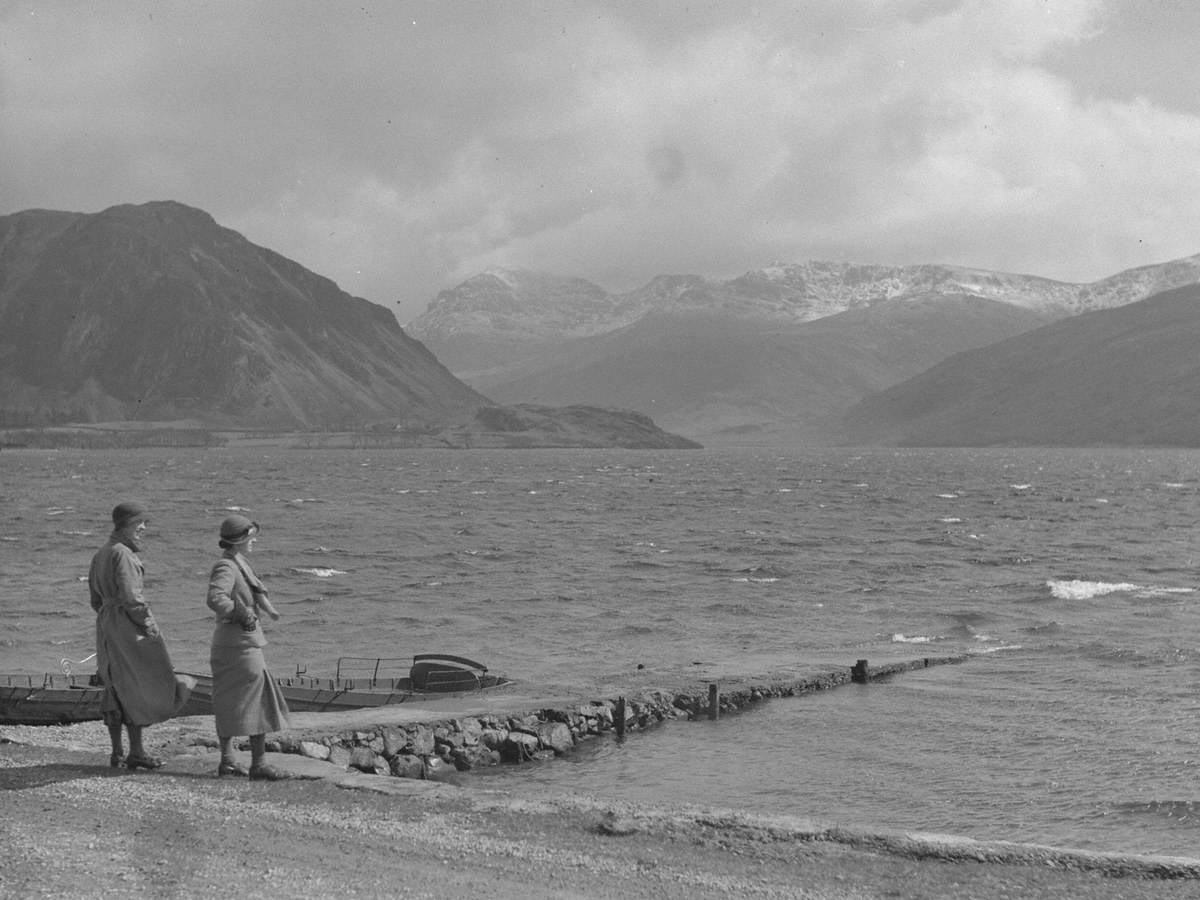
<point>899,638</point>
<point>319,572</point>
<point>1077,589</point>
<point>948,496</point>
<point>980,651</point>
<point>1020,487</point>
<point>950,520</point>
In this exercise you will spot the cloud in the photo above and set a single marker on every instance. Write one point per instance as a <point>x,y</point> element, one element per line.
<point>400,147</point>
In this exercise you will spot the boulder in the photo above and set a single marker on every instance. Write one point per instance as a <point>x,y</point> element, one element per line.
<point>520,746</point>
<point>493,738</point>
<point>405,765</point>
<point>339,756</point>
<point>556,736</point>
<point>421,741</point>
<point>313,750</point>
<point>394,742</point>
<point>364,759</point>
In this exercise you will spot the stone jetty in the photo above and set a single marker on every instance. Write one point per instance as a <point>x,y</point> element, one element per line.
<point>435,739</point>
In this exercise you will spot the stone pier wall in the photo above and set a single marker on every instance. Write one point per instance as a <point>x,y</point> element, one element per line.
<point>438,749</point>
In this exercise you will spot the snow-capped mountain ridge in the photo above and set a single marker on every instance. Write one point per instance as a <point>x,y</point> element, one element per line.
<point>522,305</point>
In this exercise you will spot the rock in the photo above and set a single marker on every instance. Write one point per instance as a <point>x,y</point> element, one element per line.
<point>493,738</point>
<point>421,741</point>
<point>617,825</point>
<point>471,729</point>
<point>405,765</point>
<point>363,758</point>
<point>476,757</point>
<point>556,736</point>
<point>394,742</point>
<point>313,750</point>
<point>520,746</point>
<point>437,769</point>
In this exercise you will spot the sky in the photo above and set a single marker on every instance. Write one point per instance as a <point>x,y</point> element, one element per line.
<point>402,147</point>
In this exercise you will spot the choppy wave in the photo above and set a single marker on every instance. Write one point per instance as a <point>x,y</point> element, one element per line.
<point>1076,589</point>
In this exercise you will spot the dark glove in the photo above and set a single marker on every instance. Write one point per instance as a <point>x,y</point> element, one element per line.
<point>249,622</point>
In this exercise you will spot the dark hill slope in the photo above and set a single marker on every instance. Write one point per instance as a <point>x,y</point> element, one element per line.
<point>1128,376</point>
<point>156,312</point>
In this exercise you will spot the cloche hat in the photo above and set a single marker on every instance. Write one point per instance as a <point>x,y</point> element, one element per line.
<point>124,513</point>
<point>236,529</point>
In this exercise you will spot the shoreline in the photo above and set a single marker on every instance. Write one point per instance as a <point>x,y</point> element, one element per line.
<point>76,828</point>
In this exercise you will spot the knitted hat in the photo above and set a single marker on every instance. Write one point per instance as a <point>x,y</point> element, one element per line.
<point>236,529</point>
<point>124,513</point>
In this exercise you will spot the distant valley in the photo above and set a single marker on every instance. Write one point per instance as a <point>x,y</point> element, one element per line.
<point>776,356</point>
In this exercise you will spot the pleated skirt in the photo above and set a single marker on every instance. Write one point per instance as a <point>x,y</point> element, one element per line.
<point>246,699</point>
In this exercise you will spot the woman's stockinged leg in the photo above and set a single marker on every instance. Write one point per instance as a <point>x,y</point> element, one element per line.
<point>260,770</point>
<point>138,758</point>
<point>136,747</point>
<point>112,721</point>
<point>229,764</point>
<point>258,749</point>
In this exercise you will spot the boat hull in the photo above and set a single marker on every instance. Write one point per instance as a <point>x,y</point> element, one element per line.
<point>63,699</point>
<point>48,700</point>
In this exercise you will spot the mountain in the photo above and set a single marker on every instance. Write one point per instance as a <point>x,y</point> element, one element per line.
<point>1125,376</point>
<point>774,355</point>
<point>736,380</point>
<point>155,313</point>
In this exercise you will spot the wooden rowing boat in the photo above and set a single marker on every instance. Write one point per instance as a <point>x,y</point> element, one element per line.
<point>357,683</point>
<point>48,699</point>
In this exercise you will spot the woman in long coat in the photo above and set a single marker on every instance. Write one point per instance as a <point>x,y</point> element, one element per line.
<point>140,684</point>
<point>246,699</point>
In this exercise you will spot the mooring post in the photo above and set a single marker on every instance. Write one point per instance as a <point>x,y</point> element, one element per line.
<point>714,702</point>
<point>858,674</point>
<point>619,717</point>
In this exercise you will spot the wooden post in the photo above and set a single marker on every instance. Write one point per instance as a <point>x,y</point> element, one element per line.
<point>619,717</point>
<point>714,702</point>
<point>858,674</point>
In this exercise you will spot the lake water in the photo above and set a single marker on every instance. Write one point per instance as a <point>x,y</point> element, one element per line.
<point>1069,575</point>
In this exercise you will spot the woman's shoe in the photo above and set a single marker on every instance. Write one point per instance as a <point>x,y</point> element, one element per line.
<point>137,761</point>
<point>115,760</point>
<point>266,772</point>
<point>228,767</point>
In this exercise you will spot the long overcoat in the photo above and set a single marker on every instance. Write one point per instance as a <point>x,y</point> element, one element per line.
<point>131,655</point>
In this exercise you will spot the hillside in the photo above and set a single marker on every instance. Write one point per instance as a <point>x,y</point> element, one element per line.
<point>730,380</point>
<point>157,314</point>
<point>775,355</point>
<point>1127,376</point>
